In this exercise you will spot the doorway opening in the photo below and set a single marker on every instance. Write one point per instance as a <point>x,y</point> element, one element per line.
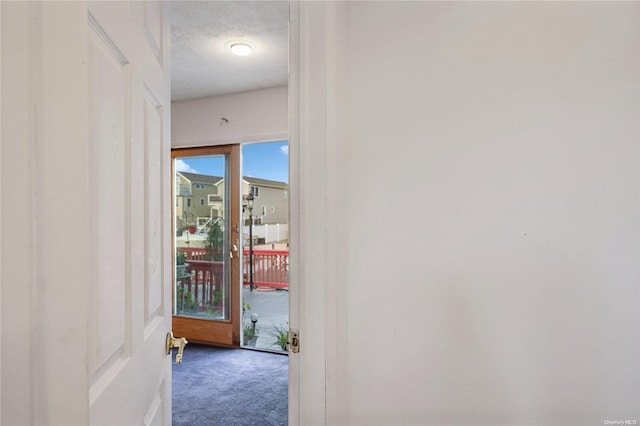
<point>231,281</point>
<point>220,100</point>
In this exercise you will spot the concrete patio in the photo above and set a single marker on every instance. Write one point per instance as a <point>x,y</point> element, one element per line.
<point>272,307</point>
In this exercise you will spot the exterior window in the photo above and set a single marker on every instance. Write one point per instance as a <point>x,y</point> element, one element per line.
<point>264,210</point>
<point>202,201</point>
<point>199,186</point>
<point>188,202</point>
<point>255,191</point>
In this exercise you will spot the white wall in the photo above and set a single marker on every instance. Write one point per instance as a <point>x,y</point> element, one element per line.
<point>0,216</point>
<point>500,141</point>
<point>17,187</point>
<point>255,116</point>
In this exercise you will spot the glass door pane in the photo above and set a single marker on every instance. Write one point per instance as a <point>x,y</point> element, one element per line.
<point>206,210</point>
<point>201,216</point>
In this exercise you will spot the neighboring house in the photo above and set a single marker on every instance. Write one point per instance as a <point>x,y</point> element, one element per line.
<point>271,202</point>
<point>201,196</point>
<point>198,196</point>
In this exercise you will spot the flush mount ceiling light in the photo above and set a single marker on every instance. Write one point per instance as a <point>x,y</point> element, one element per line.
<point>240,47</point>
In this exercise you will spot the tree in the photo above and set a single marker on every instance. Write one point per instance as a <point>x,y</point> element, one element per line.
<point>215,243</point>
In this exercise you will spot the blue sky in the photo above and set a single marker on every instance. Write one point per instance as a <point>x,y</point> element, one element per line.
<point>268,160</point>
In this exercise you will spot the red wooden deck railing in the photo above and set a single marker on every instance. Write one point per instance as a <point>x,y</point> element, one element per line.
<point>193,253</point>
<point>270,269</point>
<point>206,278</point>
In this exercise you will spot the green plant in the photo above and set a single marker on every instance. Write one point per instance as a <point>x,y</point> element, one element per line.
<point>249,332</point>
<point>281,337</point>
<point>186,302</point>
<point>217,296</point>
<point>214,312</point>
<point>215,242</point>
<point>245,307</point>
<point>181,258</point>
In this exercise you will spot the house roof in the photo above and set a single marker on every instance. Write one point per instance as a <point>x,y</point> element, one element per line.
<point>193,178</point>
<point>214,180</point>
<point>265,182</point>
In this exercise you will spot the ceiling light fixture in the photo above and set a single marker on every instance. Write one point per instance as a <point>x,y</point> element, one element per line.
<point>240,48</point>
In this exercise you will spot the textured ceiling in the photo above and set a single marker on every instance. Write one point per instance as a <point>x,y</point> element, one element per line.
<point>202,66</point>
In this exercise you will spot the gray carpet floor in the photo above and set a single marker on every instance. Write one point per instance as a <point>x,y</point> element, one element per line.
<point>230,387</point>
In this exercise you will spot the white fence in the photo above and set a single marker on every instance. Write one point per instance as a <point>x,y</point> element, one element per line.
<point>270,233</point>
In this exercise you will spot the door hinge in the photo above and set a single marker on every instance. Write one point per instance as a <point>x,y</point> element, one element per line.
<point>293,341</point>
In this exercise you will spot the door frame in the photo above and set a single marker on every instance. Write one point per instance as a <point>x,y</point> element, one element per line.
<point>221,332</point>
<point>318,165</point>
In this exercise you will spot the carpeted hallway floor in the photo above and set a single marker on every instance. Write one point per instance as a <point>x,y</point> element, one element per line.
<point>230,387</point>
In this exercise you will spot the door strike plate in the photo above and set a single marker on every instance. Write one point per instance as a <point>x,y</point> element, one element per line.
<point>293,342</point>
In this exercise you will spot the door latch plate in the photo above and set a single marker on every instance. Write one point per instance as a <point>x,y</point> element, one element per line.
<point>293,342</point>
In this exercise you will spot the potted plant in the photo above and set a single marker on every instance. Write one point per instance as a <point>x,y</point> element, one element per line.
<point>250,335</point>
<point>281,337</point>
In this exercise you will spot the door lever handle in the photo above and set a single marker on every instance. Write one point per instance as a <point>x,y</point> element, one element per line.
<point>179,343</point>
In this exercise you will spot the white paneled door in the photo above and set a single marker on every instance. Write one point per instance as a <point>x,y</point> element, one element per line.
<point>86,272</point>
<point>128,176</point>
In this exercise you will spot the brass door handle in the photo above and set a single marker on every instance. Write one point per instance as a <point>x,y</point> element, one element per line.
<point>179,343</point>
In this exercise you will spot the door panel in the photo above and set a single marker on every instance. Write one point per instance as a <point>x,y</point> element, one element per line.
<point>154,178</point>
<point>128,167</point>
<point>108,82</point>
<point>153,28</point>
<point>206,229</point>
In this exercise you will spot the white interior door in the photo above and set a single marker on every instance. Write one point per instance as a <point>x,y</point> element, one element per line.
<point>86,287</point>
<point>128,154</point>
